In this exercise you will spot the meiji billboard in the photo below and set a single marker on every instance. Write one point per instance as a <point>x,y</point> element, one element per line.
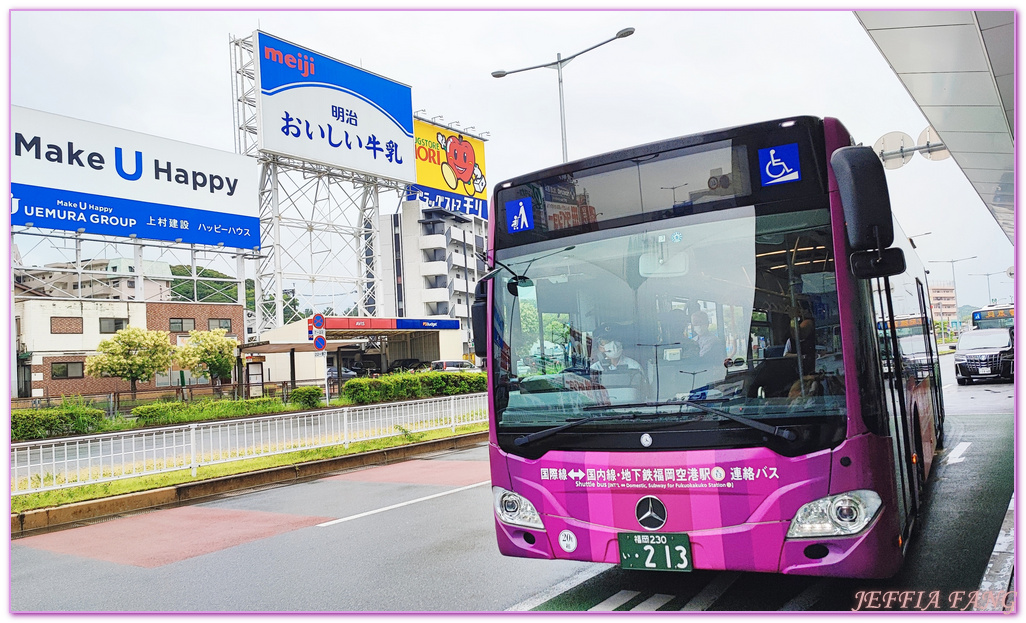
<point>450,170</point>
<point>312,107</point>
<point>69,174</point>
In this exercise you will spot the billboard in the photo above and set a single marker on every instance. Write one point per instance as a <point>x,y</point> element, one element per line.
<point>315,108</point>
<point>450,170</point>
<point>74,175</point>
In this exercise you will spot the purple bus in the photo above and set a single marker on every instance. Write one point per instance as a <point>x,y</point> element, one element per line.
<point>683,358</point>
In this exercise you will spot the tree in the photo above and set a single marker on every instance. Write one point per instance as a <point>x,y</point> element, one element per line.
<point>133,354</point>
<point>208,353</point>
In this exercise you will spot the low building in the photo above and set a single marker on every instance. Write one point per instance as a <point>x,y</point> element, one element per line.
<point>54,337</point>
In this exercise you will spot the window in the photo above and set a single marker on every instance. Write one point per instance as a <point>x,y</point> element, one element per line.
<point>131,283</point>
<point>181,325</point>
<point>220,323</point>
<point>69,370</point>
<point>112,325</point>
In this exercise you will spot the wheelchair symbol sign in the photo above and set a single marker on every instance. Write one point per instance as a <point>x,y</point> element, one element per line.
<point>779,164</point>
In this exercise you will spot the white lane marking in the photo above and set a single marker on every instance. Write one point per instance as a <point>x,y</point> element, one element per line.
<point>400,505</point>
<point>956,454</point>
<point>653,603</point>
<point>807,598</point>
<point>712,591</point>
<point>571,582</point>
<point>614,602</point>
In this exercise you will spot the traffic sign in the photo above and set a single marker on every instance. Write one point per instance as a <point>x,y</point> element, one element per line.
<point>320,342</point>
<point>318,321</point>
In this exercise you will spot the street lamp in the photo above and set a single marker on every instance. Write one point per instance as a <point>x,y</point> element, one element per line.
<point>987,275</point>
<point>673,189</point>
<point>911,239</point>
<point>954,286</point>
<point>558,66</point>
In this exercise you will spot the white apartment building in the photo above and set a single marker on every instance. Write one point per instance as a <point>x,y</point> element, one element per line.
<point>942,298</point>
<point>430,265</point>
<point>107,279</point>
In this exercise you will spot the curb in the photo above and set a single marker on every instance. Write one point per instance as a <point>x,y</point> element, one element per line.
<point>47,519</point>
<point>996,585</point>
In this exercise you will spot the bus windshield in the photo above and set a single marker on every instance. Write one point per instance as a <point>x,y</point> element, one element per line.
<point>729,307</point>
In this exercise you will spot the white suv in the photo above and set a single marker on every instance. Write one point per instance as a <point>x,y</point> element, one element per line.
<point>454,365</point>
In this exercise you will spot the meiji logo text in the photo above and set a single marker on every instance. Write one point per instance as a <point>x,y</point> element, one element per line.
<point>302,63</point>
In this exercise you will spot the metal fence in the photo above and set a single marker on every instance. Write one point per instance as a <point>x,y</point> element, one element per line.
<point>72,462</point>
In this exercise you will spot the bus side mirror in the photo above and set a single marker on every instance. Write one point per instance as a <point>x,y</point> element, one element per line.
<point>880,263</point>
<point>867,206</point>
<point>479,318</point>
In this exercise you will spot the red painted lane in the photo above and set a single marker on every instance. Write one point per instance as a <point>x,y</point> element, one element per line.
<point>163,537</point>
<point>423,472</point>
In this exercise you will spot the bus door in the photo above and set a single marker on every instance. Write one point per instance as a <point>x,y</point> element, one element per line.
<point>936,398</point>
<point>899,422</point>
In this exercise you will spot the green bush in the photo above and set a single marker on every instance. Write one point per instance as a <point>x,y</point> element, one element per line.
<point>72,417</point>
<point>159,412</point>
<point>306,397</point>
<point>410,386</point>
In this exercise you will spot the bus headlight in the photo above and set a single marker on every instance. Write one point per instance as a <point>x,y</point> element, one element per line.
<point>515,510</point>
<point>837,515</point>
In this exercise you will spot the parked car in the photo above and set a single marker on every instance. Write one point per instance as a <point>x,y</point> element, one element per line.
<point>346,374</point>
<point>403,365</point>
<point>454,365</point>
<point>365,368</point>
<point>984,354</point>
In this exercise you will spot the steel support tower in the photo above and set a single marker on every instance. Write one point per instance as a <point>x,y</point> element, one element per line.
<point>318,224</point>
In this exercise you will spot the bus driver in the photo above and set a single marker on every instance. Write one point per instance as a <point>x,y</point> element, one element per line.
<point>613,358</point>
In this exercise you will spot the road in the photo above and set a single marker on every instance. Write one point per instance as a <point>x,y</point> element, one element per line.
<point>419,537</point>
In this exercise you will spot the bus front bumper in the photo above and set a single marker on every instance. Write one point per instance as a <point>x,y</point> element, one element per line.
<point>758,547</point>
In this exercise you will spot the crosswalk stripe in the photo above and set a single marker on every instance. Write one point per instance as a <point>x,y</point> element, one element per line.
<point>712,591</point>
<point>653,603</point>
<point>614,602</point>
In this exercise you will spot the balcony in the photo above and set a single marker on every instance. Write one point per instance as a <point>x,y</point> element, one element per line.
<point>458,260</point>
<point>435,295</point>
<point>433,241</point>
<point>433,269</point>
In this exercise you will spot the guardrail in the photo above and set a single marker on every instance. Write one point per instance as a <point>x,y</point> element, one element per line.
<point>71,462</point>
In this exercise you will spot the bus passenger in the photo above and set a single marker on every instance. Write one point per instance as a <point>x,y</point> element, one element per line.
<point>706,339</point>
<point>806,345</point>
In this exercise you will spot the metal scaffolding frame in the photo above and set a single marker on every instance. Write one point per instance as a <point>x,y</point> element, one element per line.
<point>318,223</point>
<point>78,266</point>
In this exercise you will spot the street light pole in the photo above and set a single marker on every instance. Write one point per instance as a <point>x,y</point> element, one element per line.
<point>558,66</point>
<point>987,275</point>
<point>673,189</point>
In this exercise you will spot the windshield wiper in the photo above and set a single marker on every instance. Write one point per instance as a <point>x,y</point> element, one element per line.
<point>523,440</point>
<point>776,431</point>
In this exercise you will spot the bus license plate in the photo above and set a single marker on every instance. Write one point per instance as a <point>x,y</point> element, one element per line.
<point>984,371</point>
<point>655,552</point>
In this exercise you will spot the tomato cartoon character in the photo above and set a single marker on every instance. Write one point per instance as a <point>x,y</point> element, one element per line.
<point>461,165</point>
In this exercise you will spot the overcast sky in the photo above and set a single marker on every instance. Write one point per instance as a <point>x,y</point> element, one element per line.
<point>168,74</point>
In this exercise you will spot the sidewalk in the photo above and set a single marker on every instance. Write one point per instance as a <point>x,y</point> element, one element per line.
<point>73,515</point>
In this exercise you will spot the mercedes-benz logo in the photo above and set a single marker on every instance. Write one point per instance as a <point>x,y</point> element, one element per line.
<point>651,513</point>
